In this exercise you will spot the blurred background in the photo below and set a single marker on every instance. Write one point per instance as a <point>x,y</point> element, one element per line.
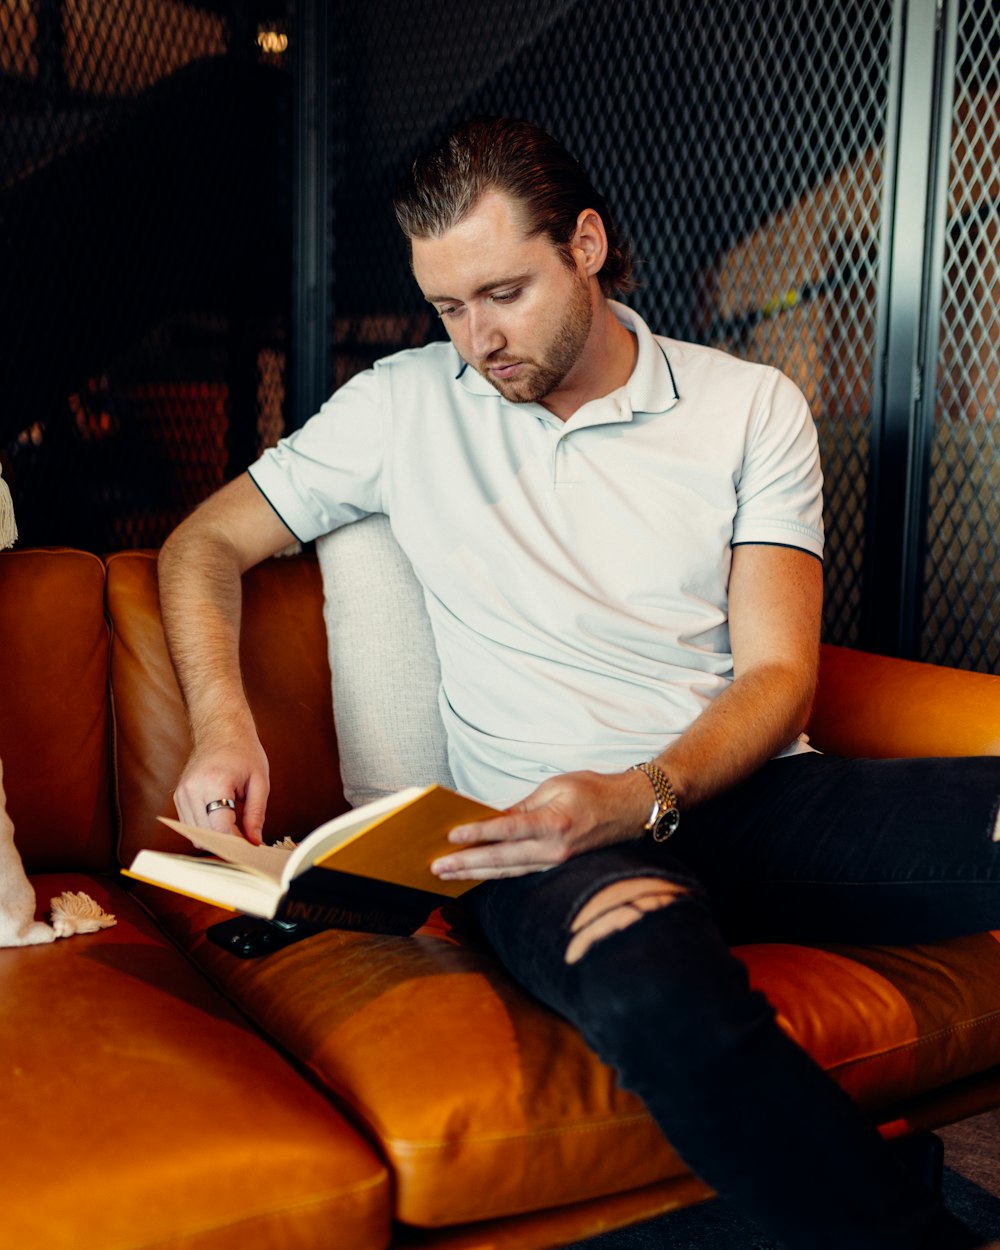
<point>196,243</point>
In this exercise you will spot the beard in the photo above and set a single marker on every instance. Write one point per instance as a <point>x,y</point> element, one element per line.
<point>541,377</point>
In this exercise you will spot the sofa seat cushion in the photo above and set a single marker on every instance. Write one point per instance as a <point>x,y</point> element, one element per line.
<point>486,1104</point>
<point>888,1022</point>
<point>140,1110</point>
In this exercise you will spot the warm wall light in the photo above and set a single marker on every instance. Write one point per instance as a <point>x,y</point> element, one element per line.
<point>273,42</point>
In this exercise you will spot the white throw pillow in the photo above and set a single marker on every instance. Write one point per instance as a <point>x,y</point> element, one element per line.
<point>383,662</point>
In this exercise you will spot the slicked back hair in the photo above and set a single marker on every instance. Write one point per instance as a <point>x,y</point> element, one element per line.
<point>517,159</point>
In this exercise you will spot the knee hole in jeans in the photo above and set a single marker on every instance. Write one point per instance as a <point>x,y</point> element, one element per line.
<point>615,908</point>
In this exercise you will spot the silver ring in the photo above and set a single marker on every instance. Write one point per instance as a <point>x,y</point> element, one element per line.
<point>217,803</point>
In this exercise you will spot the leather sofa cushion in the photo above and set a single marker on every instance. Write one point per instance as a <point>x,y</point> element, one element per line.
<point>140,1110</point>
<point>54,735</point>
<point>487,1105</point>
<point>876,707</point>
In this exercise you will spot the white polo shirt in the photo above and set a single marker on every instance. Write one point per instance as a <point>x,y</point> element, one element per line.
<point>575,572</point>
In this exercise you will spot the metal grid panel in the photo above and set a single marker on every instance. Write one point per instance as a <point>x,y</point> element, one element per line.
<point>144,239</point>
<point>740,141</point>
<point>962,575</point>
<point>117,48</point>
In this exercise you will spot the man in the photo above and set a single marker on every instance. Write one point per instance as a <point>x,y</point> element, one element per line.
<point>619,537</point>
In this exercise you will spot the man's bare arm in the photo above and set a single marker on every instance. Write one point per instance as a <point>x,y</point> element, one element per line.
<point>775,602</point>
<point>200,568</point>
<point>775,608</point>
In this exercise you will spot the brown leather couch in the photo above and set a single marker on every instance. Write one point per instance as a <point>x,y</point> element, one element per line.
<point>351,1091</point>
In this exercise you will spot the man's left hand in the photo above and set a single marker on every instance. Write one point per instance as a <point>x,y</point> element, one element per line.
<point>565,816</point>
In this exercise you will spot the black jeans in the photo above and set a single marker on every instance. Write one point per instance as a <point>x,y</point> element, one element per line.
<point>812,848</point>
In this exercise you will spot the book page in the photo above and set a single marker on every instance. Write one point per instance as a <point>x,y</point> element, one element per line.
<point>269,861</point>
<point>210,880</point>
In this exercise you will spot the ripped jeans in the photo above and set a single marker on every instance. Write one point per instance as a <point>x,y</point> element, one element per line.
<point>812,848</point>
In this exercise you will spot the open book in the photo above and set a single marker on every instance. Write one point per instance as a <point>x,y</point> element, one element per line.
<point>366,869</point>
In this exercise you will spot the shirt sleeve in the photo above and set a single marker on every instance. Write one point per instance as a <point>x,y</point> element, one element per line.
<point>330,472</point>
<point>780,490</point>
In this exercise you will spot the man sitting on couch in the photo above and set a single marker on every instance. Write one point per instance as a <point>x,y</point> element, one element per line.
<point>619,537</point>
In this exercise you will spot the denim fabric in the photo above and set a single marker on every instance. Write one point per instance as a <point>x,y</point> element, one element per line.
<point>812,847</point>
<point>817,848</point>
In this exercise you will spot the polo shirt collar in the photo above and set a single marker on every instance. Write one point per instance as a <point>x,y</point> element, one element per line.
<point>650,388</point>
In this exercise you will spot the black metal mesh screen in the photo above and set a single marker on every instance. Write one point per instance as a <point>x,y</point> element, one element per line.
<point>144,251</point>
<point>145,220</point>
<point>740,142</point>
<point>962,610</point>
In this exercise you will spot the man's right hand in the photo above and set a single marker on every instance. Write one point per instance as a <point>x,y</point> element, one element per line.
<point>236,770</point>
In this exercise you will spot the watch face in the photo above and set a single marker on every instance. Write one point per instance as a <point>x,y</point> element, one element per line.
<point>666,825</point>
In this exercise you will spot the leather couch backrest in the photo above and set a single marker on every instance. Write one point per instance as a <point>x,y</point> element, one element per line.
<point>54,722</point>
<point>870,705</point>
<point>287,678</point>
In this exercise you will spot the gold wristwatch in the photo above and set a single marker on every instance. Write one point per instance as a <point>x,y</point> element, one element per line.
<point>665,815</point>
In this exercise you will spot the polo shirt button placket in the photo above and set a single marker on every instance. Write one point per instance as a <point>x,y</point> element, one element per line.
<point>560,451</point>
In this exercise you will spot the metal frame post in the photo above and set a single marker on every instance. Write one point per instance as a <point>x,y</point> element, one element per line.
<point>895,527</point>
<point>926,408</point>
<point>312,242</point>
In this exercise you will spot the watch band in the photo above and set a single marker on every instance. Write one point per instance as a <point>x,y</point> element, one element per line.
<point>665,814</point>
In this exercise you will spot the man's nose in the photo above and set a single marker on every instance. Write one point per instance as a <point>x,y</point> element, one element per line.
<point>485,335</point>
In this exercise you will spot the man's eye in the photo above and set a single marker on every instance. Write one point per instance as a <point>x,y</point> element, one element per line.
<point>450,311</point>
<point>506,297</point>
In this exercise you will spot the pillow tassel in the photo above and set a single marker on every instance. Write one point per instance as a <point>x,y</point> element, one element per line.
<point>76,912</point>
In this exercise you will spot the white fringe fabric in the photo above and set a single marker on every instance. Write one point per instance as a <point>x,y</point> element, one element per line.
<point>8,527</point>
<point>71,912</point>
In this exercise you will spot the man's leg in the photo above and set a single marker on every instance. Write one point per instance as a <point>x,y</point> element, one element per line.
<point>817,848</point>
<point>624,946</point>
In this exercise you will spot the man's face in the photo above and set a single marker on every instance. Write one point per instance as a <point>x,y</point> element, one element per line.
<point>511,305</point>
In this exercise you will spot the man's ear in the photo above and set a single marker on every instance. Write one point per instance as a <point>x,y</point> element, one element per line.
<point>589,243</point>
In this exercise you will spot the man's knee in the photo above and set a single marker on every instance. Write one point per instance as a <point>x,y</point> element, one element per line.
<point>616,907</point>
